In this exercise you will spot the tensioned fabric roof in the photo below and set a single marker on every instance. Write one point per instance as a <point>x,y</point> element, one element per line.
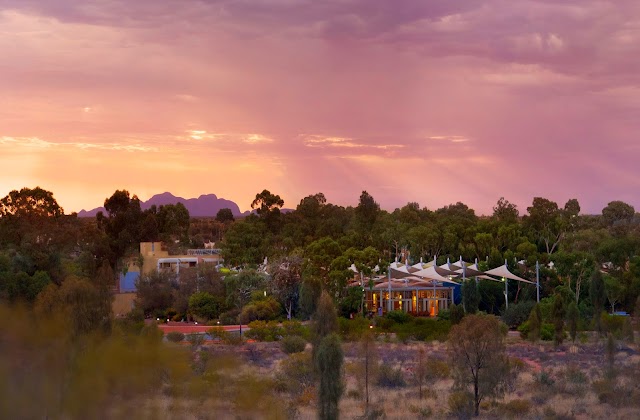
<point>470,270</point>
<point>431,273</point>
<point>503,271</point>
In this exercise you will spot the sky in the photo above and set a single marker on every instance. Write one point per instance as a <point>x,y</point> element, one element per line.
<point>422,101</point>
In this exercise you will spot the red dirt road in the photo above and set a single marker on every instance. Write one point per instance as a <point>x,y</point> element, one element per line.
<point>193,328</point>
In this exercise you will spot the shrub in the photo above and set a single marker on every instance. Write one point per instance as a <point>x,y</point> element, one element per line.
<point>547,331</point>
<point>384,324</point>
<point>429,329</point>
<point>437,369</point>
<point>264,331</point>
<point>352,329</point>
<point>225,336</point>
<point>523,329</point>
<point>444,314</point>
<point>544,379</point>
<point>195,339</point>
<point>389,377</point>
<point>612,324</point>
<point>264,310</point>
<point>293,344</point>
<point>517,313</point>
<point>296,373</point>
<point>175,336</point>
<point>399,317</point>
<point>229,317</point>
<point>204,305</point>
<point>295,327</point>
<point>456,314</point>
<point>461,404</point>
<point>517,408</point>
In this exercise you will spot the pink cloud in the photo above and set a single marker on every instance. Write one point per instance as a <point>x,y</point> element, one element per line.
<point>470,100</point>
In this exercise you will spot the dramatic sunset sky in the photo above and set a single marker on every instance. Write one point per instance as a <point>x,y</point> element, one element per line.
<point>419,100</point>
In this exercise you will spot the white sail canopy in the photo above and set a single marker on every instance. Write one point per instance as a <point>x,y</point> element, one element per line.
<point>504,272</point>
<point>431,273</point>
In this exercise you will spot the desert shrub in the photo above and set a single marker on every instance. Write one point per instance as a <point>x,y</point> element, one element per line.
<point>390,377</point>
<point>612,323</point>
<point>224,336</point>
<point>352,329</point>
<point>461,404</point>
<point>297,372</point>
<point>295,327</point>
<point>264,310</point>
<point>544,379</point>
<point>609,392</point>
<point>523,329</point>
<point>175,336</point>
<point>438,369</point>
<point>195,339</point>
<point>293,344</point>
<point>229,317</point>
<point>444,314</point>
<point>421,412</point>
<point>547,331</point>
<point>429,329</point>
<point>517,408</point>
<point>575,375</point>
<point>456,313</point>
<point>384,324</point>
<point>399,317</point>
<point>517,313</point>
<point>264,331</point>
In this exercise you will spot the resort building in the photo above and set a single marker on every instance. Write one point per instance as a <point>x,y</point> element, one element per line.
<point>154,256</point>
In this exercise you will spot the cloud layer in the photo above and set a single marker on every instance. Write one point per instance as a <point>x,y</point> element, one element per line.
<point>434,102</point>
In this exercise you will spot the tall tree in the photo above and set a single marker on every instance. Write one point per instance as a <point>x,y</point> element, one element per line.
<point>225,215</point>
<point>505,212</point>
<point>617,212</point>
<point>286,276</point>
<point>367,213</point>
<point>324,320</point>
<point>558,312</point>
<point>470,296</point>
<point>597,293</point>
<point>329,359</point>
<point>546,222</point>
<point>478,357</point>
<point>266,202</point>
<point>573,316</point>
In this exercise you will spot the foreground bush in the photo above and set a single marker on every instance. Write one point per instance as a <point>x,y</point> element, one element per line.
<point>293,344</point>
<point>389,377</point>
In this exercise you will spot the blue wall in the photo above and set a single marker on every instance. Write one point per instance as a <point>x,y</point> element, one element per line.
<point>128,281</point>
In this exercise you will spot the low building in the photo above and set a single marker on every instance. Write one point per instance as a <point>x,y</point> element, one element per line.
<point>154,256</point>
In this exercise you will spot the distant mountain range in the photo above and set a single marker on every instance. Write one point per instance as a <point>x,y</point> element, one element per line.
<point>206,205</point>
